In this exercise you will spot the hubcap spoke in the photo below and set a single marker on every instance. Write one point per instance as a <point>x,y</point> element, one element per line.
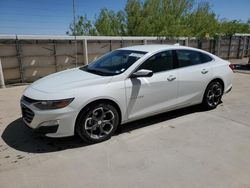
<point>90,124</point>
<point>92,127</point>
<point>109,115</point>
<point>98,113</point>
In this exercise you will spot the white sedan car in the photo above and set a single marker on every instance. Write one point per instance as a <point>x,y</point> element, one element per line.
<point>124,85</point>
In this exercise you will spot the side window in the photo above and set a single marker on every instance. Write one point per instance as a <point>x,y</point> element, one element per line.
<point>159,62</point>
<point>189,57</point>
<point>205,58</point>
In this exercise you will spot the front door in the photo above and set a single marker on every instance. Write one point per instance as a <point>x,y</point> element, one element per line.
<point>149,95</point>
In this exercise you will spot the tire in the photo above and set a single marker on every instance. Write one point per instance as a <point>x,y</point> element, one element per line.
<point>97,123</point>
<point>212,96</point>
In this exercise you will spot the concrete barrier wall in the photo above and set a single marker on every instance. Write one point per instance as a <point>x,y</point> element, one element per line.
<point>28,58</point>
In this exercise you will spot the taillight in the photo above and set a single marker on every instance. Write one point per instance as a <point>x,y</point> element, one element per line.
<point>232,66</point>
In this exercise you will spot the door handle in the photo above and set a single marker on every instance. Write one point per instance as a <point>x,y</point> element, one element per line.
<point>204,71</point>
<point>171,78</point>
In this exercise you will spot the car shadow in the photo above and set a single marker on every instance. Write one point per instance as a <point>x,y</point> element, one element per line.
<point>128,127</point>
<point>18,136</point>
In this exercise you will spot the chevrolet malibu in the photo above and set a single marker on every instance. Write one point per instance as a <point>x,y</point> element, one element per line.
<point>122,86</point>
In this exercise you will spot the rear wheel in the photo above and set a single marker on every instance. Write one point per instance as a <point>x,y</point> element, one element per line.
<point>97,122</point>
<point>213,95</point>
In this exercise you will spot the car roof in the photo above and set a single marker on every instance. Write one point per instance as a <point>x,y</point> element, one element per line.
<point>156,47</point>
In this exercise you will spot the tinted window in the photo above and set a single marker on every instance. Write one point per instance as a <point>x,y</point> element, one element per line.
<point>205,58</point>
<point>189,57</point>
<point>160,62</point>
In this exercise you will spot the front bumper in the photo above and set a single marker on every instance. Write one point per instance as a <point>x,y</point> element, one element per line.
<point>52,123</point>
<point>47,129</point>
<point>44,129</point>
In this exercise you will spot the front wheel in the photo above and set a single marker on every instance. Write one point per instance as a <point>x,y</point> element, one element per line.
<point>213,95</point>
<point>97,122</point>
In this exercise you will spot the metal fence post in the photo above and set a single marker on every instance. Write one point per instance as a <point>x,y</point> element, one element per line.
<point>199,43</point>
<point>229,47</point>
<point>145,41</point>
<point>85,51</point>
<point>248,47</point>
<point>186,41</point>
<point>19,58</point>
<point>218,46</point>
<point>55,58</point>
<point>122,43</point>
<point>214,46</point>
<point>239,47</point>
<point>243,48</point>
<point>110,45</point>
<point>2,84</point>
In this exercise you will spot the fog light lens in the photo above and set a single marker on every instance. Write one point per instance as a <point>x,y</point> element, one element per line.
<point>49,123</point>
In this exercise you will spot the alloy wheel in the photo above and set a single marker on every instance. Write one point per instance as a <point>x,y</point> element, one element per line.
<point>99,123</point>
<point>214,94</point>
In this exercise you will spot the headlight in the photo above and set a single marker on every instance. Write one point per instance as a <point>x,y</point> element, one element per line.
<point>52,104</point>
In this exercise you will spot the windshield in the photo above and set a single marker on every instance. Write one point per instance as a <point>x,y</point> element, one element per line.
<point>114,62</point>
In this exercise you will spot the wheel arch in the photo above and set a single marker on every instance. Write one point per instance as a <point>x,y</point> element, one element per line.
<point>220,80</point>
<point>204,102</point>
<point>112,102</point>
<point>214,80</point>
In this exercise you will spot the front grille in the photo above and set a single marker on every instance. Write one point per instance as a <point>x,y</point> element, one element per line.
<point>28,114</point>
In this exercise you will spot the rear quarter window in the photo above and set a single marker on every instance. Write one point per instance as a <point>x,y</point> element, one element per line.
<point>205,58</point>
<point>191,57</point>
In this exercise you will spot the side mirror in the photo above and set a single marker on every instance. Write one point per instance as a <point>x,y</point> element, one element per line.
<point>142,73</point>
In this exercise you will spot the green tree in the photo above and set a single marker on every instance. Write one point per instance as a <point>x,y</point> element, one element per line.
<point>172,14</point>
<point>133,11</point>
<point>157,17</point>
<point>235,26</point>
<point>110,23</point>
<point>202,21</point>
<point>83,26</point>
<point>171,18</point>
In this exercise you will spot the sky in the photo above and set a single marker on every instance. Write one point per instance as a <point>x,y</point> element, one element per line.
<point>52,17</point>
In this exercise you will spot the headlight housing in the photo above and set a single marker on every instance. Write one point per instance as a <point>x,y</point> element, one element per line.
<point>52,104</point>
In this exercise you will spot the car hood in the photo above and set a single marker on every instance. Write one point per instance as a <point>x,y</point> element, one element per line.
<point>69,79</point>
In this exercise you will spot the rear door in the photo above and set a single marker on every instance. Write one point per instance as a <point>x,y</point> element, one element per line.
<point>194,73</point>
